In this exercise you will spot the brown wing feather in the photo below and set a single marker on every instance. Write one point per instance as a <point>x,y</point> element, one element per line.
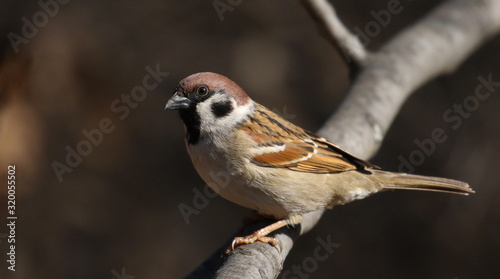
<point>341,152</point>
<point>295,148</point>
<point>286,158</point>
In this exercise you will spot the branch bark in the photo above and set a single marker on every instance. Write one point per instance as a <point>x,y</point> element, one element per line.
<point>336,32</point>
<point>435,45</point>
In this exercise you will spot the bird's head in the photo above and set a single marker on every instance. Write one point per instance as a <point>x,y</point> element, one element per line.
<point>209,103</point>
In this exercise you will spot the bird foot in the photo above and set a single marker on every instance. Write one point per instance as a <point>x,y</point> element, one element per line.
<point>249,239</point>
<point>260,235</point>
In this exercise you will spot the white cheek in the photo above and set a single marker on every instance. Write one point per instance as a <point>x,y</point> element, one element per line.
<point>210,124</point>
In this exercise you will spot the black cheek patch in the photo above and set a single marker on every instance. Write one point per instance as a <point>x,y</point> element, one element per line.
<point>222,109</point>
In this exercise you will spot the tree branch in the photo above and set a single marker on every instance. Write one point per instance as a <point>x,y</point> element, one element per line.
<point>435,45</point>
<point>337,33</point>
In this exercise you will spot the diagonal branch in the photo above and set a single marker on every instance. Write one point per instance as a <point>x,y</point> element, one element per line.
<point>337,33</point>
<point>435,45</point>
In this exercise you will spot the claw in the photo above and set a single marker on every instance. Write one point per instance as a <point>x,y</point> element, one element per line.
<point>261,235</point>
<point>238,241</point>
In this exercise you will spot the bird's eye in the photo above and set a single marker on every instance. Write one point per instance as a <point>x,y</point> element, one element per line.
<point>202,91</point>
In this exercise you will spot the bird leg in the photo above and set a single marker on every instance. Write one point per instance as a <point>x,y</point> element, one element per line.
<point>261,235</point>
<point>250,219</point>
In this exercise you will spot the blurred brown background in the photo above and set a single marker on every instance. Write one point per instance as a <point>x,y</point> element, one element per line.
<point>118,208</point>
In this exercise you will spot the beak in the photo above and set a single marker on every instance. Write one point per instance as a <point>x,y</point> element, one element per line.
<point>178,102</point>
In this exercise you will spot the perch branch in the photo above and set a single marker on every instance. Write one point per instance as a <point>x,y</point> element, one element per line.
<point>337,33</point>
<point>435,45</point>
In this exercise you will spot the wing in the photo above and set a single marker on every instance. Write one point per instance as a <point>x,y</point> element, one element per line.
<point>280,144</point>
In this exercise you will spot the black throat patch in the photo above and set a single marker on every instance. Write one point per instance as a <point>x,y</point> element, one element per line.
<point>221,109</point>
<point>192,122</point>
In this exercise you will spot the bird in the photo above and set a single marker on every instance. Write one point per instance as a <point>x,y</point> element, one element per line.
<point>269,164</point>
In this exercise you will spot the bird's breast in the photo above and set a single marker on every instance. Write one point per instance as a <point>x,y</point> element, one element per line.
<point>226,174</point>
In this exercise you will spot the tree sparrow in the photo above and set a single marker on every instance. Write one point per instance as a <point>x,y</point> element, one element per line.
<point>275,167</point>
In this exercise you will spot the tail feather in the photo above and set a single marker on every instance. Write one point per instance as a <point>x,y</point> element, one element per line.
<point>390,180</point>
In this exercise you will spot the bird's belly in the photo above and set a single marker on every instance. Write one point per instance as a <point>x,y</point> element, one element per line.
<point>226,178</point>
